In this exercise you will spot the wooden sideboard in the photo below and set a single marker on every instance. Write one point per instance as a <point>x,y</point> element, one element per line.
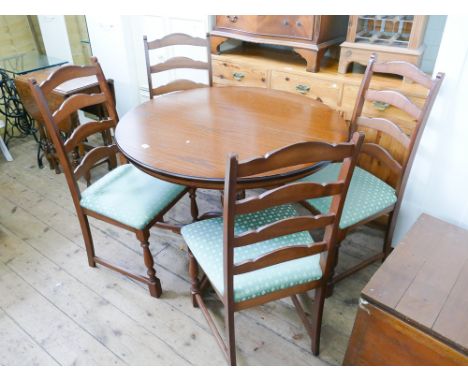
<point>281,69</point>
<point>414,310</point>
<point>309,36</point>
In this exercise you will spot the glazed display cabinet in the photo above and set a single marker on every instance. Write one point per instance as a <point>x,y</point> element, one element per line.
<point>392,37</point>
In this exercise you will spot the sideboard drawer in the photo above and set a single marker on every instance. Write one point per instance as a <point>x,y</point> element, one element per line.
<point>286,26</point>
<point>326,91</point>
<point>232,74</point>
<point>401,118</point>
<point>237,23</point>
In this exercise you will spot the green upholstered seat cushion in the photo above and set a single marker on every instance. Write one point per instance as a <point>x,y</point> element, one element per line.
<point>129,196</point>
<point>367,194</point>
<point>205,240</point>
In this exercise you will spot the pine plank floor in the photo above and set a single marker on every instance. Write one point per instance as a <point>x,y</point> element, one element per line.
<point>54,309</point>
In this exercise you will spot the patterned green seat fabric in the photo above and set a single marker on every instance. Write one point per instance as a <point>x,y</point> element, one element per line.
<point>129,196</point>
<point>205,240</point>
<point>367,194</point>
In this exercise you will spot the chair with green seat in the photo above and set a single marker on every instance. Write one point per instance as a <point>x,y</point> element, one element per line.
<point>379,180</point>
<point>125,197</point>
<point>261,250</point>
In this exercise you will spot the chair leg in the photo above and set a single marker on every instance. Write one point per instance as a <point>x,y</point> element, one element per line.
<point>331,284</point>
<point>230,335</point>
<point>193,204</point>
<point>316,315</point>
<point>193,272</point>
<point>154,284</point>
<point>387,246</point>
<point>88,239</point>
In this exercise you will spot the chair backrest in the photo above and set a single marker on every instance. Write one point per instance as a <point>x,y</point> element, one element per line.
<point>381,130</point>
<point>176,62</point>
<point>293,155</point>
<point>52,119</point>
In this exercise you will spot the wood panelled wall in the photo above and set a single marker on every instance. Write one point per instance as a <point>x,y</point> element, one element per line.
<point>77,33</point>
<point>19,34</point>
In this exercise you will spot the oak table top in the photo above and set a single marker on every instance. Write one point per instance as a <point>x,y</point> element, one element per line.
<point>185,137</point>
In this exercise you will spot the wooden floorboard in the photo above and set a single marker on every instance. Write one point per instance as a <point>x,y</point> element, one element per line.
<point>106,318</point>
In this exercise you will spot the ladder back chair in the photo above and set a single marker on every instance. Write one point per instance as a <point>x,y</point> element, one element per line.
<point>125,196</point>
<point>379,180</point>
<point>171,40</point>
<point>261,250</point>
<point>172,63</point>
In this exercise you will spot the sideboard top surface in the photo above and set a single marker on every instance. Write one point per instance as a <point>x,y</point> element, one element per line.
<point>287,61</point>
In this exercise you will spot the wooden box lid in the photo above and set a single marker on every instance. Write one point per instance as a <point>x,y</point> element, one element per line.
<point>425,281</point>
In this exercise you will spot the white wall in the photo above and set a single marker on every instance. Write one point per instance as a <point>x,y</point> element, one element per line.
<point>111,44</point>
<point>55,36</point>
<point>432,38</point>
<point>117,41</point>
<point>438,183</point>
<point>158,26</point>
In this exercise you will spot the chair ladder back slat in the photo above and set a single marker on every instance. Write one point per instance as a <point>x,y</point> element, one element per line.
<point>289,193</point>
<point>76,102</point>
<point>176,85</point>
<point>280,256</point>
<point>382,155</point>
<point>66,73</point>
<point>92,157</point>
<point>296,154</point>
<point>68,107</point>
<point>286,157</point>
<point>404,69</point>
<point>85,130</point>
<point>178,63</point>
<point>385,126</point>
<point>110,101</point>
<point>284,227</point>
<point>54,134</point>
<point>396,99</point>
<point>176,39</point>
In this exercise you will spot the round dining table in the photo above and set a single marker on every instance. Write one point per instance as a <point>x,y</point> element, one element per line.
<point>185,137</point>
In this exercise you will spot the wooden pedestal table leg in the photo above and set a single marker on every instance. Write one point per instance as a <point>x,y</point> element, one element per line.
<point>193,203</point>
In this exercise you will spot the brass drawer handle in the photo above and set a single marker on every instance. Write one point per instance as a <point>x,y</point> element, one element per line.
<point>382,106</point>
<point>238,76</point>
<point>232,19</point>
<point>286,22</point>
<point>303,89</point>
